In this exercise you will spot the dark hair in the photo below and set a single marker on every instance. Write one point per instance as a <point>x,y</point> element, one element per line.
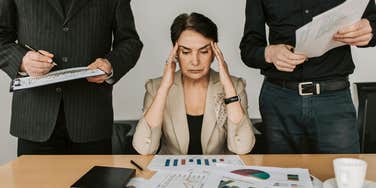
<point>196,22</point>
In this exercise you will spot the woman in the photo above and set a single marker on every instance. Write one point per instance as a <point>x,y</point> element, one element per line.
<point>185,111</point>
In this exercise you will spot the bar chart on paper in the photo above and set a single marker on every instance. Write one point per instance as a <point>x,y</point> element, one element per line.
<point>161,162</point>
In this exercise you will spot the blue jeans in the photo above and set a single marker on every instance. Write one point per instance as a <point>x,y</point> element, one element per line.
<point>324,123</point>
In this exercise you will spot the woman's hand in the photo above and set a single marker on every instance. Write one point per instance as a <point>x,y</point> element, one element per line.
<point>224,74</point>
<point>234,110</point>
<point>169,70</point>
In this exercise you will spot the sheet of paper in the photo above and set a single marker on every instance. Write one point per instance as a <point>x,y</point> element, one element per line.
<point>162,162</point>
<point>225,176</point>
<point>190,179</point>
<point>260,177</point>
<point>316,38</point>
<point>137,183</point>
<point>54,77</point>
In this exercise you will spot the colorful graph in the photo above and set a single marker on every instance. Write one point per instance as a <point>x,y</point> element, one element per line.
<point>252,173</point>
<point>232,183</point>
<point>188,161</point>
<point>192,161</point>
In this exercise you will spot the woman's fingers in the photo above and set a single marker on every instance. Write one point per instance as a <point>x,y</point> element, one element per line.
<point>218,54</point>
<point>219,51</point>
<point>173,53</point>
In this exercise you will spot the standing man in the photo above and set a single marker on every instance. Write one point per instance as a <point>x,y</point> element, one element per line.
<point>73,117</point>
<point>305,103</point>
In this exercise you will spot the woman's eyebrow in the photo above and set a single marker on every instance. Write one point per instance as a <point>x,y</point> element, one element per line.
<point>181,46</point>
<point>204,46</point>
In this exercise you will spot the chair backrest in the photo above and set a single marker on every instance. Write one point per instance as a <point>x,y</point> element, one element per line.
<point>123,131</point>
<point>122,136</point>
<point>367,116</point>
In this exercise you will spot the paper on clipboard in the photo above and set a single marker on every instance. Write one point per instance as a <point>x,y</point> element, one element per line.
<point>54,77</point>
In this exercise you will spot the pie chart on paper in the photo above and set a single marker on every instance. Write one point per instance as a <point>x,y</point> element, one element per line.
<point>258,174</point>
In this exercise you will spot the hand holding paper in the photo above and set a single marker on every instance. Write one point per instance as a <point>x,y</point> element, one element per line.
<point>358,34</point>
<point>341,25</point>
<point>102,64</point>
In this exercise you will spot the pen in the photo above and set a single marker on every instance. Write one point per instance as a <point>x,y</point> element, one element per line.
<point>32,49</point>
<point>137,165</point>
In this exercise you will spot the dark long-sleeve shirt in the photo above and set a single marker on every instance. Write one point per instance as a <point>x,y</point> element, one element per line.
<point>284,17</point>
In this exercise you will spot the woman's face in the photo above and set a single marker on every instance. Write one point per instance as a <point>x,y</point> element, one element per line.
<point>195,54</point>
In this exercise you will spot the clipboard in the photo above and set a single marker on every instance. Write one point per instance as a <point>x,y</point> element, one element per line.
<point>53,77</point>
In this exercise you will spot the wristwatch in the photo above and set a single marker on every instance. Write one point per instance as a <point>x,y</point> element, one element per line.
<point>232,99</point>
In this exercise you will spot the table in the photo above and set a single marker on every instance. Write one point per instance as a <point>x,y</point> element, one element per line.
<point>62,170</point>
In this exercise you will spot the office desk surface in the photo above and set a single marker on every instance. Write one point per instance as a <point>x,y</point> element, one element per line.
<point>62,170</point>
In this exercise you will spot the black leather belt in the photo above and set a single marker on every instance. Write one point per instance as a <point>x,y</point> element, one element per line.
<point>313,87</point>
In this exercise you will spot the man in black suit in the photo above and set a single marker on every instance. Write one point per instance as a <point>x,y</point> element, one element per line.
<point>73,117</point>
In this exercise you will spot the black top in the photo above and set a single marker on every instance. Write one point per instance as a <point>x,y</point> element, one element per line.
<point>66,5</point>
<point>195,125</point>
<point>284,18</point>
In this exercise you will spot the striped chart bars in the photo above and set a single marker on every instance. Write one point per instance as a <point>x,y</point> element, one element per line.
<point>182,161</point>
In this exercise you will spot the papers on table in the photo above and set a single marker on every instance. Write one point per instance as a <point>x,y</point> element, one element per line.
<point>242,177</point>
<point>221,175</point>
<point>54,77</point>
<point>161,162</point>
<point>257,176</point>
<point>316,38</point>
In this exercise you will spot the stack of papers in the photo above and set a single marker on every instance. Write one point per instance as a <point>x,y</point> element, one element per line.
<point>316,38</point>
<point>230,171</point>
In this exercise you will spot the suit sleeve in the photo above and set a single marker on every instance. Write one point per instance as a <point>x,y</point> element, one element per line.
<point>370,14</point>
<point>253,43</point>
<point>126,45</point>
<point>146,140</point>
<point>240,136</point>
<point>11,53</point>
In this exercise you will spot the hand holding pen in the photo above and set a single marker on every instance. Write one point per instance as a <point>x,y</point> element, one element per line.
<point>37,62</point>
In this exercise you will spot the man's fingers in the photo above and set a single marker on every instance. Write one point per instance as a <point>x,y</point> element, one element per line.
<point>285,59</point>
<point>362,38</point>
<point>284,64</point>
<point>292,56</point>
<point>296,57</point>
<point>37,71</point>
<point>93,65</point>
<point>363,23</point>
<point>356,33</point>
<point>45,53</point>
<point>38,57</point>
<point>360,43</point>
<point>40,65</point>
<point>349,29</point>
<point>97,79</point>
<point>285,69</point>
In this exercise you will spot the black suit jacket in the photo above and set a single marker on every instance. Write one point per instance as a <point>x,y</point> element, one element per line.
<point>91,29</point>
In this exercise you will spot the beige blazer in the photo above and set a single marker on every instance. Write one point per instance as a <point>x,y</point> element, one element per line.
<point>218,136</point>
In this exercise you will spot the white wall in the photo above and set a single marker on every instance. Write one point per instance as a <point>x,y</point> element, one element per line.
<point>153,20</point>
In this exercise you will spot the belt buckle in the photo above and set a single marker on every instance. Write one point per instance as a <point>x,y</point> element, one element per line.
<point>301,85</point>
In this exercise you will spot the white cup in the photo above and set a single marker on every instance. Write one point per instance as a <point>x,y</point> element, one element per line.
<point>350,173</point>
